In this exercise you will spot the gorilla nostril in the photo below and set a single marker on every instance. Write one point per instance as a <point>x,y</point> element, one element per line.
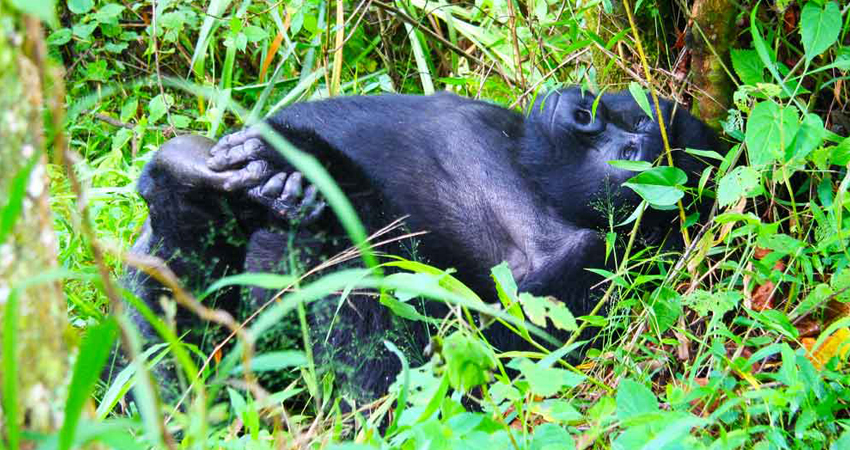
<point>582,117</point>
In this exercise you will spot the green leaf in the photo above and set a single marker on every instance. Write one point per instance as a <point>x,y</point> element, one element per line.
<point>710,154</point>
<point>634,166</point>
<point>128,111</point>
<point>534,308</point>
<point>10,212</point>
<point>121,138</point>
<point>719,303</point>
<point>748,66</point>
<point>125,380</point>
<point>561,316</point>
<point>468,361</point>
<point>666,308</point>
<point>809,137</point>
<point>659,186</point>
<point>80,6</point>
<point>539,308</point>
<point>505,283</point>
<point>108,13</point>
<point>255,33</point>
<point>840,154</point>
<point>550,436</point>
<point>634,399</point>
<point>59,37</point>
<point>770,128</point>
<point>93,355</point>
<point>781,243</point>
<point>43,9</point>
<point>272,361</point>
<point>547,381</point>
<point>640,97</point>
<point>158,106</point>
<point>84,30</point>
<point>819,27</point>
<point>742,181</point>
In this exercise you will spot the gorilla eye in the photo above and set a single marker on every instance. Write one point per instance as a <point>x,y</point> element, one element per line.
<point>582,117</point>
<point>629,152</point>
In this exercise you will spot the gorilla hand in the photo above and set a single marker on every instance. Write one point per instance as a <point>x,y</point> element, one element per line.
<point>286,198</point>
<point>250,166</point>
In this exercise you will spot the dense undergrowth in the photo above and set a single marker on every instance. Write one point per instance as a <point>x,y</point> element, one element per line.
<point>737,341</point>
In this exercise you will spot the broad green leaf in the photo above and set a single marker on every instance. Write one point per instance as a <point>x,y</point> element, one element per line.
<point>550,436</point>
<point>43,9</point>
<point>748,66</point>
<point>742,181</point>
<point>781,243</point>
<point>59,37</point>
<point>633,399</point>
<point>561,316</point>
<point>547,381</point>
<point>770,128</point>
<point>819,27</point>
<point>84,30</point>
<point>468,361</point>
<point>121,138</point>
<point>108,12</point>
<point>80,6</point>
<point>539,308</point>
<point>505,284</point>
<point>634,166</point>
<point>809,137</point>
<point>666,307</point>
<point>158,106</point>
<point>659,186</point>
<point>255,33</point>
<point>840,154</point>
<point>640,97</point>
<point>128,110</point>
<point>717,303</point>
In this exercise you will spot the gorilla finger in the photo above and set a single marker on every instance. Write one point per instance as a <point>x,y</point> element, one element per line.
<point>293,187</point>
<point>310,195</point>
<point>250,150</point>
<point>274,186</point>
<point>315,213</point>
<point>252,175</point>
<point>234,139</point>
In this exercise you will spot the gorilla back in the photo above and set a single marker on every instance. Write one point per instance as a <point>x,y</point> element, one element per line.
<point>487,184</point>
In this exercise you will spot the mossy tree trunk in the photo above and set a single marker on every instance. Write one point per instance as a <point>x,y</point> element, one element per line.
<point>713,32</point>
<point>34,397</point>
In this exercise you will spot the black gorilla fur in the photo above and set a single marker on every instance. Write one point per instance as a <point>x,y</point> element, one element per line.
<point>489,184</point>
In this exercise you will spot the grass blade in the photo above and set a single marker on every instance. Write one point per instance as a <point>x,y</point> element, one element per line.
<point>94,353</point>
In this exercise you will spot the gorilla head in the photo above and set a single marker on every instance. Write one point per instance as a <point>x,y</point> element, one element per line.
<point>574,137</point>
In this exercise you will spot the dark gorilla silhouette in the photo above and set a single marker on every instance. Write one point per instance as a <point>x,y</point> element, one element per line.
<point>488,184</point>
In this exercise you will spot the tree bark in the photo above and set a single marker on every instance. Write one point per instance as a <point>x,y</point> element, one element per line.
<point>30,249</point>
<point>712,33</point>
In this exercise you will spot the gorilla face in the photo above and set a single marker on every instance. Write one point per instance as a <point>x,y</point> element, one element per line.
<point>570,163</point>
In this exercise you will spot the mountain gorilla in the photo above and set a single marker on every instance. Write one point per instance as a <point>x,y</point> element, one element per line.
<point>488,184</point>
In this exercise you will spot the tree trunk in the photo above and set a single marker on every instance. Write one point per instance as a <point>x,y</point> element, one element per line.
<point>712,34</point>
<point>30,248</point>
